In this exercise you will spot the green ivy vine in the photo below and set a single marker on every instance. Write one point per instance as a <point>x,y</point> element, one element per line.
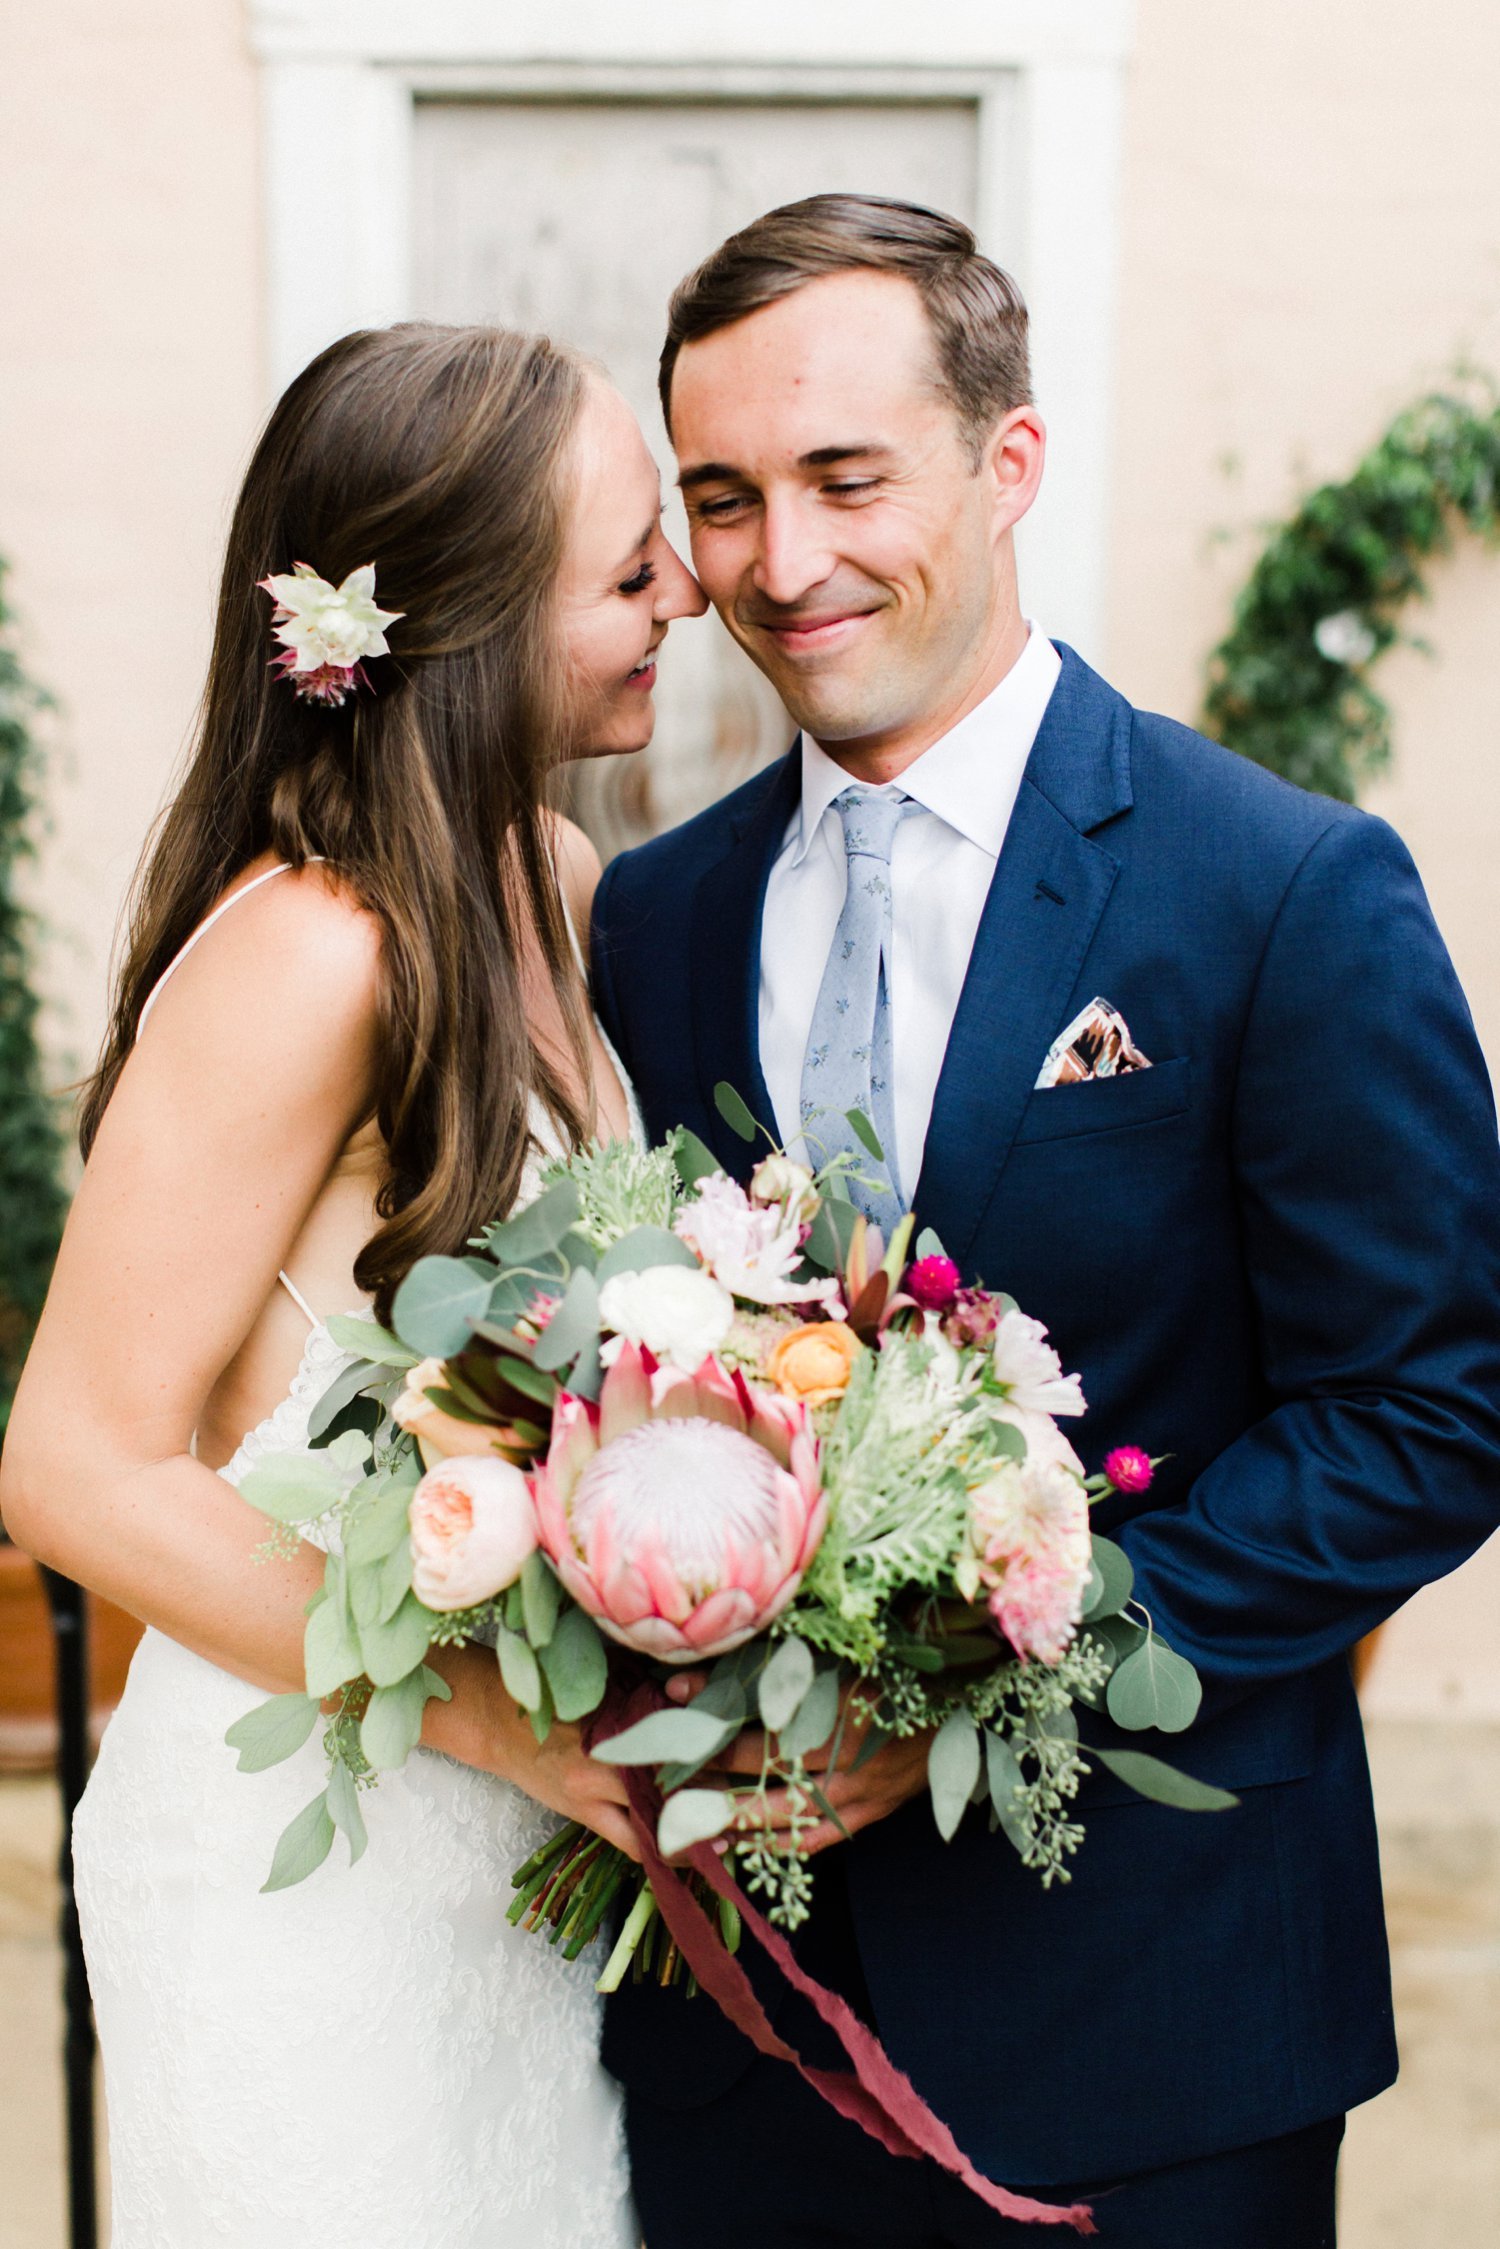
<point>1289,685</point>
<point>32,1198</point>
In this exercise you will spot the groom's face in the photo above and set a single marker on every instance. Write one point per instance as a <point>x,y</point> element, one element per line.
<point>838,521</point>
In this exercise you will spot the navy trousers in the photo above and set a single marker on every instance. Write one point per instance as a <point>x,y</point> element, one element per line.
<point>769,2165</point>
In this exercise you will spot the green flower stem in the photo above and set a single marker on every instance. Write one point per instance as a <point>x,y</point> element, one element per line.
<point>548,1851</point>
<point>605,1894</point>
<point>637,1922</point>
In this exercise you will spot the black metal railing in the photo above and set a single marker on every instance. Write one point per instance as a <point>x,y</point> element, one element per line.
<point>70,1628</point>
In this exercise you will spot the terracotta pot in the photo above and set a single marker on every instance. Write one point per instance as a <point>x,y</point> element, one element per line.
<point>28,1664</point>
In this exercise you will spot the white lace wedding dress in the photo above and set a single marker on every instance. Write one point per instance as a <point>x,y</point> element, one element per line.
<point>372,2060</point>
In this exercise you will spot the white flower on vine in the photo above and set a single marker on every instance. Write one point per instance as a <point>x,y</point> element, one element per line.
<point>1344,638</point>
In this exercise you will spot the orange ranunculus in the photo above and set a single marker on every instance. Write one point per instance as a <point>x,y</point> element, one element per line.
<point>813,1363</point>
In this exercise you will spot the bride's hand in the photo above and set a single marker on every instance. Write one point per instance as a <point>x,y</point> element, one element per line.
<point>483,1726</point>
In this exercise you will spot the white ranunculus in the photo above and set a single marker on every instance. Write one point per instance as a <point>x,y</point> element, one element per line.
<point>678,1313</point>
<point>1030,1371</point>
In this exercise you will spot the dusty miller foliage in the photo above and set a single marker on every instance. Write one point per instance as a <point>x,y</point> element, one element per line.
<point>32,1199</point>
<point>620,1187</point>
<point>1352,550</point>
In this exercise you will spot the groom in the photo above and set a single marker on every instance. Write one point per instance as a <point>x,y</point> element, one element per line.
<point>1174,1054</point>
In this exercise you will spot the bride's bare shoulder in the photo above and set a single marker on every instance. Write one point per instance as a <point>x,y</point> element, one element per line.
<point>297,950</point>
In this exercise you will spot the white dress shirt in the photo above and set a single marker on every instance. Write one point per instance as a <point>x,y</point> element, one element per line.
<point>942,865</point>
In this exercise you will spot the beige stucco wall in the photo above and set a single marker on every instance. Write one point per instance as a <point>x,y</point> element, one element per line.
<point>1310,235</point>
<point>129,390</point>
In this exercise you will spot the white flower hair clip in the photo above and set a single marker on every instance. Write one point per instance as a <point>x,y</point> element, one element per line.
<point>326,631</point>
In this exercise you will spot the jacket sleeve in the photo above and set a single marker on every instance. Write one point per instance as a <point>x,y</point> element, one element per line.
<point>1368,1181</point>
<point>601,960</point>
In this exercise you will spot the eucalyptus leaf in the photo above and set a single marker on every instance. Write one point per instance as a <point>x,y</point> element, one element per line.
<point>390,1649</point>
<point>292,1487</point>
<point>693,1815</point>
<point>643,1248</point>
<point>272,1731</point>
<point>952,1769</point>
<point>540,1596</point>
<point>928,1245</point>
<point>1164,1784</point>
<point>370,1340</point>
<point>539,1228</point>
<point>784,1682</point>
<point>519,1668</point>
<point>305,1843</point>
<point>860,1125</point>
<point>392,1723</point>
<point>693,1157</point>
<point>733,1110</point>
<point>350,1452</point>
<point>344,1810</point>
<point>437,1305</point>
<point>1154,1687</point>
<point>341,1392</point>
<point>574,1323</point>
<point>380,1522</point>
<point>330,1649</point>
<point>666,1735</point>
<point>814,1718</point>
<point>1119,1636</point>
<point>1110,1565</point>
<point>575,1666</point>
<point>587,1377</point>
<point>1006,1781</point>
<point>361,1417</point>
<point>395,1580</point>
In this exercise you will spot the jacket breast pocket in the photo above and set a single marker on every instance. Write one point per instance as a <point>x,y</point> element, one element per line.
<point>1139,1097</point>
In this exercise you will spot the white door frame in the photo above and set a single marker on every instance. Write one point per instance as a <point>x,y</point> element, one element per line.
<point>340,79</point>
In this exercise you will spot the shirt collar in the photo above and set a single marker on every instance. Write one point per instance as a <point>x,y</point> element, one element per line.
<point>970,775</point>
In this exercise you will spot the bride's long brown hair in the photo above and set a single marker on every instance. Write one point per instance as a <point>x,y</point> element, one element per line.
<point>442,456</point>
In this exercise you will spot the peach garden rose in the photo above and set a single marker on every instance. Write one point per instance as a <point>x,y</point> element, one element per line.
<point>813,1363</point>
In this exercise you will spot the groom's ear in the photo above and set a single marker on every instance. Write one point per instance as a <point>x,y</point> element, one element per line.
<point>1014,455</point>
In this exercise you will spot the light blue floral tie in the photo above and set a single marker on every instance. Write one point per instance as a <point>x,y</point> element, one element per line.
<point>849,1063</point>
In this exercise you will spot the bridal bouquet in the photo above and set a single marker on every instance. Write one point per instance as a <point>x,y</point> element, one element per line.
<point>658,1420</point>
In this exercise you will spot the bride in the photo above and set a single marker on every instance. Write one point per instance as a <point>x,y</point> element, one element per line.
<point>352,1018</point>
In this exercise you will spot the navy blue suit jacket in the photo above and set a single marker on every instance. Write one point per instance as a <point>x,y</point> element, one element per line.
<point>1274,1256</point>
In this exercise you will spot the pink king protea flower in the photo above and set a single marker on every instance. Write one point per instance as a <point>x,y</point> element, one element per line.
<point>681,1510</point>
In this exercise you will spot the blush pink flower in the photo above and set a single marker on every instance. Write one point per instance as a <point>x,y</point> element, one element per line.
<point>682,1510</point>
<point>472,1527</point>
<point>1030,1527</point>
<point>933,1283</point>
<point>1129,1469</point>
<point>751,1249</point>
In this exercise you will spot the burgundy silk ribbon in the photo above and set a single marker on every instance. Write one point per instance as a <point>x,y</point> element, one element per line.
<point>875,2094</point>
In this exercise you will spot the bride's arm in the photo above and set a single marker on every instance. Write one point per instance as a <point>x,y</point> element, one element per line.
<point>226,1122</point>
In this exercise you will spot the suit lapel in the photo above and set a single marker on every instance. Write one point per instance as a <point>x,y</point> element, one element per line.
<point>1050,887</point>
<point>726,921</point>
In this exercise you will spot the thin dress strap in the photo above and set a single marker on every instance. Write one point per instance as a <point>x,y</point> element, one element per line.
<point>299,1300</point>
<point>203,928</point>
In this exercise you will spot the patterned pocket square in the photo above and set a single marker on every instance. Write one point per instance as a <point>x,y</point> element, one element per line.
<point>1096,1044</point>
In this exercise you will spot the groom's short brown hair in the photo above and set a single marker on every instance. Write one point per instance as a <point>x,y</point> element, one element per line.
<point>976,312</point>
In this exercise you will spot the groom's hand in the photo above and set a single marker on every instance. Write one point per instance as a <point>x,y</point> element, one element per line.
<point>890,1778</point>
